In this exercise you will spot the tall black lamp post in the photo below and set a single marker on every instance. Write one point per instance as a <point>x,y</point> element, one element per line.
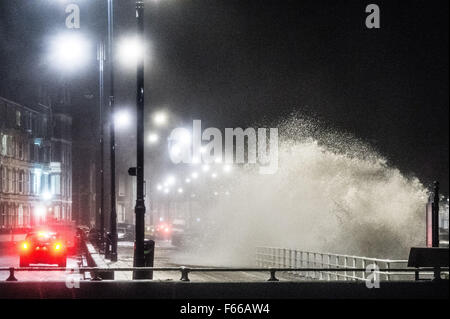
<point>113,219</point>
<point>140,200</point>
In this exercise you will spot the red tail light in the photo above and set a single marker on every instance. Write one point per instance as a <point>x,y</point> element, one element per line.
<point>25,245</point>
<point>58,246</point>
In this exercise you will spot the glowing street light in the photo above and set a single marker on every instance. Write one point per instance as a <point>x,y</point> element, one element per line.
<point>153,138</point>
<point>122,119</point>
<point>40,211</point>
<point>130,51</point>
<point>46,196</point>
<point>170,180</point>
<point>160,118</point>
<point>69,51</point>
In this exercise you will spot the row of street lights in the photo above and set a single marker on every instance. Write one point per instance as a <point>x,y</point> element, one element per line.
<point>208,170</point>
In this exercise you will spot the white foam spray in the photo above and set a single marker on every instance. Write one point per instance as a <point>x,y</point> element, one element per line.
<point>332,193</point>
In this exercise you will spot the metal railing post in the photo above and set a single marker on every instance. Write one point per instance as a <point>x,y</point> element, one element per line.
<point>329,264</point>
<point>272,276</point>
<point>388,266</point>
<point>11,275</point>
<point>321,266</point>
<point>184,274</point>
<point>354,266</point>
<point>307,264</point>
<point>337,266</point>
<point>345,266</point>
<point>364,267</point>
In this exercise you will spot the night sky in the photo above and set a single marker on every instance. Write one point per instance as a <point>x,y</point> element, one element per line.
<point>234,63</point>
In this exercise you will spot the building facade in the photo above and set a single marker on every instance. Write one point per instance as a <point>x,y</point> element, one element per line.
<point>35,165</point>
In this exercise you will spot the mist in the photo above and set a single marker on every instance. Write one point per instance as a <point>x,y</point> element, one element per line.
<point>331,193</point>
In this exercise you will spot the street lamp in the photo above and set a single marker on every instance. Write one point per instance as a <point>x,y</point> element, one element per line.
<point>122,119</point>
<point>160,118</point>
<point>170,180</point>
<point>69,51</point>
<point>130,51</point>
<point>153,138</point>
<point>227,168</point>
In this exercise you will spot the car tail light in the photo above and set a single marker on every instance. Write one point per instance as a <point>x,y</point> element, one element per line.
<point>25,246</point>
<point>58,246</point>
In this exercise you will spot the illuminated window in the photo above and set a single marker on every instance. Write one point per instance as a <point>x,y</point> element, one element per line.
<point>21,177</point>
<point>18,118</point>
<point>4,145</point>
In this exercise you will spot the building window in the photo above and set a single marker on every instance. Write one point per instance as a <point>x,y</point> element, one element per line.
<point>10,180</point>
<point>55,184</point>
<point>21,181</point>
<point>20,149</point>
<point>121,213</point>
<point>18,118</point>
<point>4,145</point>
<point>121,186</point>
<point>2,216</point>
<point>20,216</point>
<point>10,146</point>
<point>1,179</point>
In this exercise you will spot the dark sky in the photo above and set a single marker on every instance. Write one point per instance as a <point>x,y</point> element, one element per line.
<point>233,63</point>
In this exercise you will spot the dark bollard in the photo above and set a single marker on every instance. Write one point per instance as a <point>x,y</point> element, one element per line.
<point>184,274</point>
<point>11,275</point>
<point>149,255</point>
<point>272,276</point>
<point>108,245</point>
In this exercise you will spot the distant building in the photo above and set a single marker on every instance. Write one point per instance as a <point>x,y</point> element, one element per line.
<point>35,165</point>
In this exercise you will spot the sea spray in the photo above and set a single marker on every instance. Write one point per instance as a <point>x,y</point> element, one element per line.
<point>332,193</point>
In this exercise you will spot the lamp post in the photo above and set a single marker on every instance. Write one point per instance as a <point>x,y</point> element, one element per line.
<point>113,218</point>
<point>101,60</point>
<point>140,200</point>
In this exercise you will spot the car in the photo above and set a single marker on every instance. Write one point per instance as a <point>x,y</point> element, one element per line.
<point>43,247</point>
<point>163,231</point>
